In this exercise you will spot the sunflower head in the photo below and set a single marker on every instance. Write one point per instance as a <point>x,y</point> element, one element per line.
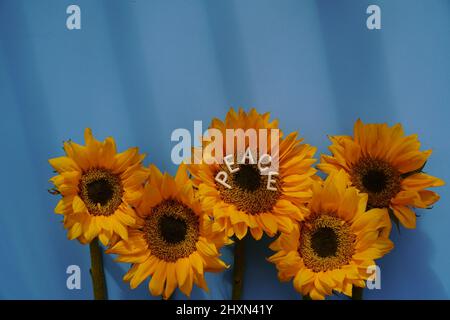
<point>387,165</point>
<point>251,199</point>
<point>333,247</point>
<point>98,188</point>
<point>172,242</point>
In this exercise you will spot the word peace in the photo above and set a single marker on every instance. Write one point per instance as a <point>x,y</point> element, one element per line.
<point>222,176</point>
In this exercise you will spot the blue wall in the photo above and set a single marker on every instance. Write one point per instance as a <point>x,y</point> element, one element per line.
<point>139,69</point>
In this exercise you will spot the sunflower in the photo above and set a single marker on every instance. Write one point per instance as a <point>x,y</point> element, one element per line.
<point>333,247</point>
<point>98,187</point>
<point>173,240</point>
<point>247,202</point>
<point>387,165</point>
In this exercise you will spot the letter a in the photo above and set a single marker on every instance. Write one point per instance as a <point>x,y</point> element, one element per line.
<point>374,20</point>
<point>74,280</point>
<point>374,279</point>
<point>74,20</point>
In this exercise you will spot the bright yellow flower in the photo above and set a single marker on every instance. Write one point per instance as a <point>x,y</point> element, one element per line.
<point>387,165</point>
<point>173,240</point>
<point>333,247</point>
<point>249,204</point>
<point>98,187</point>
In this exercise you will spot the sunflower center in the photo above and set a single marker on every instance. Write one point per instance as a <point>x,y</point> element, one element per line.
<point>326,242</point>
<point>249,192</point>
<point>101,191</point>
<point>248,177</point>
<point>172,230</point>
<point>378,178</point>
<point>374,180</point>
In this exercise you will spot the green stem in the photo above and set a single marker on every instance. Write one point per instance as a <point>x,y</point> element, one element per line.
<point>238,269</point>
<point>97,271</point>
<point>357,293</point>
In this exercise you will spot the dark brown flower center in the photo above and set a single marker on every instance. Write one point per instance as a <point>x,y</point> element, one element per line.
<point>375,180</point>
<point>326,242</point>
<point>248,178</point>
<point>249,192</point>
<point>378,178</point>
<point>101,191</point>
<point>172,230</point>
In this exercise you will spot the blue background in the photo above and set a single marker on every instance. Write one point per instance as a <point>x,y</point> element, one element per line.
<point>139,69</point>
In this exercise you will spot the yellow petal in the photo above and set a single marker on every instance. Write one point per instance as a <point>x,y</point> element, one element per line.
<point>119,229</point>
<point>207,248</point>
<point>315,295</point>
<point>256,233</point>
<point>406,216</point>
<point>108,151</point>
<point>428,197</point>
<point>240,230</point>
<point>156,284</point>
<point>182,270</point>
<point>181,177</point>
<point>421,181</point>
<point>196,262</point>
<point>125,215</point>
<point>79,154</point>
<point>171,280</point>
<point>63,164</point>
<point>125,159</point>
<point>168,187</point>
<point>303,277</point>
<point>200,281</point>
<point>78,205</point>
<point>64,205</point>
<point>104,239</point>
<point>75,231</point>
<point>155,176</point>
<point>92,146</point>
<point>143,271</point>
<point>91,229</point>
<point>269,223</point>
<point>186,288</point>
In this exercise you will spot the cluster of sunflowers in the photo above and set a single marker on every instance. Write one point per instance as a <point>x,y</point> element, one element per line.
<point>171,229</point>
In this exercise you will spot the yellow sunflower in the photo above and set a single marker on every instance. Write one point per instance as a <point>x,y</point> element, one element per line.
<point>173,240</point>
<point>387,165</point>
<point>333,247</point>
<point>98,187</point>
<point>247,202</point>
